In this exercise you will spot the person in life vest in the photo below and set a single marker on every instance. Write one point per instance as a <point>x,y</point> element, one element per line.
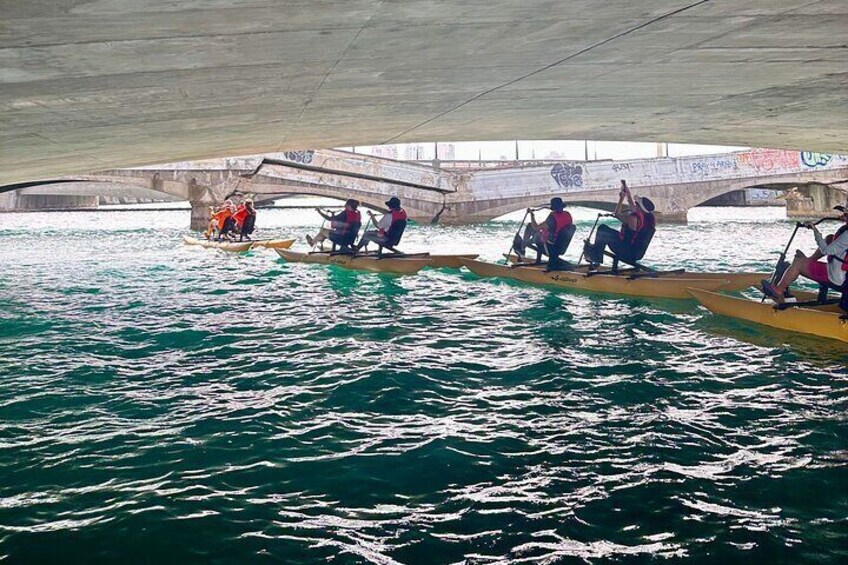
<point>245,219</point>
<point>831,272</point>
<point>221,221</point>
<point>389,227</point>
<point>631,242</point>
<point>549,238</point>
<point>344,226</point>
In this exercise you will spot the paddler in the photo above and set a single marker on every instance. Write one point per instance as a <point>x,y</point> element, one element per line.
<point>637,228</point>
<point>551,237</point>
<point>344,226</point>
<point>389,227</point>
<point>245,219</point>
<point>221,221</point>
<point>830,272</point>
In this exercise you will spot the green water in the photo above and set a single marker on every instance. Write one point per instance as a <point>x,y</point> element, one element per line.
<point>167,404</point>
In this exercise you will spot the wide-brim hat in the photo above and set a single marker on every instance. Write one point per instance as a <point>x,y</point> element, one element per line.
<point>393,202</point>
<point>644,203</point>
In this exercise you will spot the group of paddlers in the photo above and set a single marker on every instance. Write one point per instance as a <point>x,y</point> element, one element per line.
<point>552,237</point>
<point>230,221</point>
<point>344,227</point>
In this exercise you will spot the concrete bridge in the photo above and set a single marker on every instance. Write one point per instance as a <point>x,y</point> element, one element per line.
<point>451,196</point>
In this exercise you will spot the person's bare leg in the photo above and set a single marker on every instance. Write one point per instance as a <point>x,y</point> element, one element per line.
<point>322,235</point>
<point>800,266</point>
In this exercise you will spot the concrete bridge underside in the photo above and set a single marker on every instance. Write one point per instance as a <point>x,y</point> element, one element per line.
<point>99,84</point>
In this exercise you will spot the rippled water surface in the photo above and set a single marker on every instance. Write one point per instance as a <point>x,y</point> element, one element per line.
<point>162,403</point>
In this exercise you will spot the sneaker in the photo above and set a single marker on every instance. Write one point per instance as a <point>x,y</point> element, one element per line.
<point>770,291</point>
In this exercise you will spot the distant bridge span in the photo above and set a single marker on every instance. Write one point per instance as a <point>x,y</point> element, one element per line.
<point>464,196</point>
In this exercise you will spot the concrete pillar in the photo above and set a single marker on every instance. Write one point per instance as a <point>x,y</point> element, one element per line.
<point>199,215</point>
<point>814,200</point>
<point>679,217</point>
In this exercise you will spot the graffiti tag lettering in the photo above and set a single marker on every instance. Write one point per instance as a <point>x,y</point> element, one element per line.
<point>567,175</point>
<point>304,157</point>
<point>813,159</point>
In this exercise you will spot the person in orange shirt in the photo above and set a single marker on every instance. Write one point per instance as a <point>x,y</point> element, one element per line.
<point>245,219</point>
<point>221,221</point>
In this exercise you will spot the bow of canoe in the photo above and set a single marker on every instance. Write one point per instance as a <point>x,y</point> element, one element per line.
<point>229,246</point>
<point>822,321</point>
<point>654,287</point>
<point>391,265</point>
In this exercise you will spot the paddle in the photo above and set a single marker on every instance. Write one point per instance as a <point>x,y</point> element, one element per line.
<point>518,236</point>
<point>781,265</point>
<point>591,233</point>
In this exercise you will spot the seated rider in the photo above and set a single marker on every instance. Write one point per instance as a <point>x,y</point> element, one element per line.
<point>549,238</point>
<point>344,226</point>
<point>245,219</point>
<point>637,228</point>
<point>830,272</point>
<point>389,227</point>
<point>221,220</point>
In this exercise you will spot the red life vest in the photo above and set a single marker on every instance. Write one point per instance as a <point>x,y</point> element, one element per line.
<point>628,234</point>
<point>397,216</point>
<point>562,220</point>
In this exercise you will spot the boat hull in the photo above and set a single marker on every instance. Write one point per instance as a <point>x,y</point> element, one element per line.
<point>652,287</point>
<point>819,321</point>
<point>450,261</point>
<point>230,247</point>
<point>406,266</point>
<point>734,281</point>
<point>273,243</point>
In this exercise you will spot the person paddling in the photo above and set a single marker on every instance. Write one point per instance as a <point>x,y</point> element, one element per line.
<point>245,219</point>
<point>344,226</point>
<point>637,229</point>
<point>830,272</point>
<point>551,237</point>
<point>221,221</point>
<point>389,227</point>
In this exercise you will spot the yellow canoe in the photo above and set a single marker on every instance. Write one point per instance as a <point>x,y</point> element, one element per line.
<point>232,247</point>
<point>442,261</point>
<point>734,281</point>
<point>273,243</point>
<point>654,287</point>
<point>822,321</point>
<point>407,266</point>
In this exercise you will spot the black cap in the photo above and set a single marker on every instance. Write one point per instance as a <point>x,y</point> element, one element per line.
<point>557,204</point>
<point>842,209</point>
<point>353,203</point>
<point>393,203</point>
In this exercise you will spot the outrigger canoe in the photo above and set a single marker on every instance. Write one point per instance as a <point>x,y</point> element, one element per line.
<point>386,264</point>
<point>734,281</point>
<point>230,246</point>
<point>672,285</point>
<point>823,321</point>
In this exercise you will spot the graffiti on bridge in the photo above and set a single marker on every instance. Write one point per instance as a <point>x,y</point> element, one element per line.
<point>304,157</point>
<point>813,159</point>
<point>567,175</point>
